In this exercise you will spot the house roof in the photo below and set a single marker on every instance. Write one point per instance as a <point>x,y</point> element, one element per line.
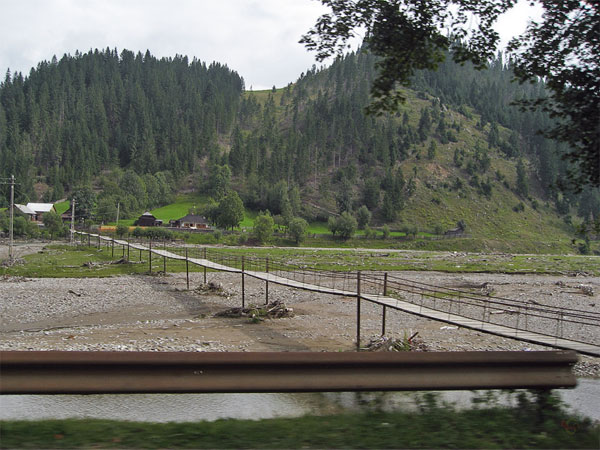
<point>41,207</point>
<point>24,209</point>
<point>192,218</point>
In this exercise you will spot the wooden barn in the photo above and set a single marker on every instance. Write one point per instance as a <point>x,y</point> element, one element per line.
<point>148,220</point>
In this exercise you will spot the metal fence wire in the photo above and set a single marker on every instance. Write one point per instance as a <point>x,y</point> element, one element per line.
<point>377,287</point>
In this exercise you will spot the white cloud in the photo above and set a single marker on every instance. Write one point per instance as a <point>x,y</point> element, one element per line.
<point>259,39</point>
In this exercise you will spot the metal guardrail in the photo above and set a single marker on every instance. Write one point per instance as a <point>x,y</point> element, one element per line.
<point>63,372</point>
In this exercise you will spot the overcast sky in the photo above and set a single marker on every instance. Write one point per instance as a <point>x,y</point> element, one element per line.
<point>257,38</point>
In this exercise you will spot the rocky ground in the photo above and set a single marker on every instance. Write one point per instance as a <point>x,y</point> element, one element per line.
<point>157,313</point>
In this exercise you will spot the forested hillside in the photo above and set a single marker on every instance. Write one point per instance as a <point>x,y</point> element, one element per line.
<point>71,119</point>
<point>133,128</point>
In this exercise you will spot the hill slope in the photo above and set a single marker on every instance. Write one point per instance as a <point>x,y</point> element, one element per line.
<point>141,128</point>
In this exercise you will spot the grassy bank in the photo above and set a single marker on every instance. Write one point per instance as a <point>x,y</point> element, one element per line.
<point>433,426</point>
<point>82,261</point>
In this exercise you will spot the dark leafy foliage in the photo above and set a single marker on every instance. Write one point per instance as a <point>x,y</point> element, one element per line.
<point>407,36</point>
<point>564,50</point>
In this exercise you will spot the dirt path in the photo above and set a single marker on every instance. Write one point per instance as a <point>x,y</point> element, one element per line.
<point>20,249</point>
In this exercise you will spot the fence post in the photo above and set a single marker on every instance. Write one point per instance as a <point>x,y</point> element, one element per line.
<point>112,250</point>
<point>204,257</point>
<point>267,282</point>
<point>99,242</point>
<point>187,269</point>
<point>243,286</point>
<point>127,250</point>
<point>358,311</point>
<point>385,281</point>
<point>150,255</point>
<point>89,240</point>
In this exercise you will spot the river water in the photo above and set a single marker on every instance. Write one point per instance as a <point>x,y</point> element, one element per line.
<point>196,407</point>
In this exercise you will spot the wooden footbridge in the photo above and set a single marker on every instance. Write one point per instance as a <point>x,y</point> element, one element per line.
<point>514,319</point>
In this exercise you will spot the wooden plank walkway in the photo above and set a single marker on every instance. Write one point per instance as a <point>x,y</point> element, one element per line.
<point>486,327</point>
<point>390,302</point>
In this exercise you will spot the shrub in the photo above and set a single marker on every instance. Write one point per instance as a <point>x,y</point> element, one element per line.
<point>297,229</point>
<point>370,233</point>
<point>122,230</point>
<point>263,227</point>
<point>386,232</point>
<point>363,217</point>
<point>344,225</point>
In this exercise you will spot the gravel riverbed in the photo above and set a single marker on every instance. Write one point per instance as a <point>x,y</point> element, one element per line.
<point>157,313</point>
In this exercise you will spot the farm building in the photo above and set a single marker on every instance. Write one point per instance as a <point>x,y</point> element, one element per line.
<point>40,209</point>
<point>192,221</point>
<point>25,211</point>
<point>148,220</point>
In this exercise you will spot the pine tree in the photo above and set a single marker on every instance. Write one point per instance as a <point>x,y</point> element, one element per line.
<point>522,185</point>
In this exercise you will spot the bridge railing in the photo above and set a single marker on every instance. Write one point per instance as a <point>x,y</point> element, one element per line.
<point>522,315</point>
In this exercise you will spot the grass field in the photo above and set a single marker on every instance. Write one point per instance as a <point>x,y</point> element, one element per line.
<point>66,261</point>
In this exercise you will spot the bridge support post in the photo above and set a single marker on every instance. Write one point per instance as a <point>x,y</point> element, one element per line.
<point>267,282</point>
<point>112,250</point>
<point>243,285</point>
<point>187,269</point>
<point>385,280</point>
<point>204,256</point>
<point>128,250</point>
<point>358,311</point>
<point>150,255</point>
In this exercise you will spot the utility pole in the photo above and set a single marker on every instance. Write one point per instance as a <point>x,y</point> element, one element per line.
<point>12,215</point>
<point>118,208</point>
<point>72,219</point>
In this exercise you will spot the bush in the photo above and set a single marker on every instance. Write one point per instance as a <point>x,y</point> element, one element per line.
<point>24,227</point>
<point>363,217</point>
<point>347,225</point>
<point>122,230</point>
<point>242,239</point>
<point>386,232</point>
<point>54,224</point>
<point>370,233</point>
<point>584,247</point>
<point>519,208</point>
<point>297,229</point>
<point>263,227</point>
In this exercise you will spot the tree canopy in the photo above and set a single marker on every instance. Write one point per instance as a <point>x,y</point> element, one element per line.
<point>407,35</point>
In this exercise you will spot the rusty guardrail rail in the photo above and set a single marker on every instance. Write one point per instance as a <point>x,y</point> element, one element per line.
<point>63,372</point>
